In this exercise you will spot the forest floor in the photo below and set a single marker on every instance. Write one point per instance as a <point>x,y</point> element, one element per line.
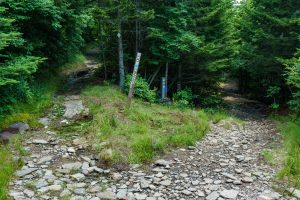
<point>227,163</point>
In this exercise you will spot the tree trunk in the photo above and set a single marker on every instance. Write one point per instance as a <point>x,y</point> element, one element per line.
<point>121,54</point>
<point>179,84</point>
<point>166,75</point>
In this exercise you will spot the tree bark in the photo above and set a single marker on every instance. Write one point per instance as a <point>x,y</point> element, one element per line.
<point>121,53</point>
<point>166,75</point>
<point>179,84</point>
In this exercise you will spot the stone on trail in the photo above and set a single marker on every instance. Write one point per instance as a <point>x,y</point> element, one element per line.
<point>39,141</point>
<point>229,194</point>
<point>213,196</point>
<point>107,195</point>
<point>73,108</point>
<point>45,159</point>
<point>19,127</point>
<point>25,172</point>
<point>70,166</point>
<point>44,121</point>
<point>162,162</point>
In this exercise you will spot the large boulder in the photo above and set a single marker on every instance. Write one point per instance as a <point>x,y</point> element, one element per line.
<point>18,127</point>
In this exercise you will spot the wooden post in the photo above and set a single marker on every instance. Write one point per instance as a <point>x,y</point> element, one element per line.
<point>135,70</point>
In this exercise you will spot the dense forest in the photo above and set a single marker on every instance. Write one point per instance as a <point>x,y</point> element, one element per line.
<point>193,43</point>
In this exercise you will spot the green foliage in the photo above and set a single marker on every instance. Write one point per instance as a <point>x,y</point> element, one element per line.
<point>211,101</point>
<point>293,80</point>
<point>262,32</point>
<point>183,98</point>
<point>32,34</point>
<point>141,88</point>
<point>290,129</point>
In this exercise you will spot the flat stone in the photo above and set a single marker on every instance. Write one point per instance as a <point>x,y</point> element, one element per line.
<point>162,162</point>
<point>76,165</point>
<point>39,141</point>
<point>229,194</point>
<point>44,121</point>
<point>29,193</point>
<point>25,172</point>
<point>140,196</point>
<point>122,194</point>
<point>73,108</point>
<point>19,127</point>
<point>239,158</point>
<point>45,159</point>
<point>247,180</point>
<point>117,176</point>
<point>107,195</point>
<point>213,196</point>
<point>65,193</point>
<point>144,184</point>
<point>78,176</point>
<point>229,176</point>
<point>54,187</point>
<point>71,150</point>
<point>165,183</point>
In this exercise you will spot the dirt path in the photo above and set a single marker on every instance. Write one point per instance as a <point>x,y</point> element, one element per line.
<point>226,164</point>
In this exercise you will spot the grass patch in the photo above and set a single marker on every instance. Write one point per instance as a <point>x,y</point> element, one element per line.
<point>145,130</point>
<point>290,130</point>
<point>8,164</point>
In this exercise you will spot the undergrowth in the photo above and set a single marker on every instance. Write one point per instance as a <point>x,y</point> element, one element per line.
<point>9,164</point>
<point>43,90</point>
<point>290,130</point>
<point>139,133</point>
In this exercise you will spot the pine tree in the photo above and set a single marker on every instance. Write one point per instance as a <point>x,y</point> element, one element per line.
<point>265,31</point>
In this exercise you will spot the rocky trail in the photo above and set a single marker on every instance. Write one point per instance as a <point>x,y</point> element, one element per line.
<point>226,164</point>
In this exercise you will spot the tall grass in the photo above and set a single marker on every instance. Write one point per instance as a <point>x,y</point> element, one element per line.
<point>145,130</point>
<point>290,129</point>
<point>9,164</point>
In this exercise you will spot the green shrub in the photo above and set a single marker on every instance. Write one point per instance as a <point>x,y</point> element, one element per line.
<point>183,98</point>
<point>141,89</point>
<point>211,102</point>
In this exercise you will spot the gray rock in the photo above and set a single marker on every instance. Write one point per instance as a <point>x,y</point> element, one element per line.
<point>19,127</point>
<point>247,180</point>
<point>117,176</point>
<point>70,166</point>
<point>213,196</point>
<point>65,193</point>
<point>122,194</point>
<point>44,121</point>
<point>229,194</point>
<point>73,108</point>
<point>79,191</point>
<point>39,141</point>
<point>78,176</point>
<point>295,192</point>
<point>229,176</point>
<point>25,172</point>
<point>165,183</point>
<point>144,184</point>
<point>139,196</point>
<point>239,158</point>
<point>162,162</point>
<point>45,159</point>
<point>107,195</point>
